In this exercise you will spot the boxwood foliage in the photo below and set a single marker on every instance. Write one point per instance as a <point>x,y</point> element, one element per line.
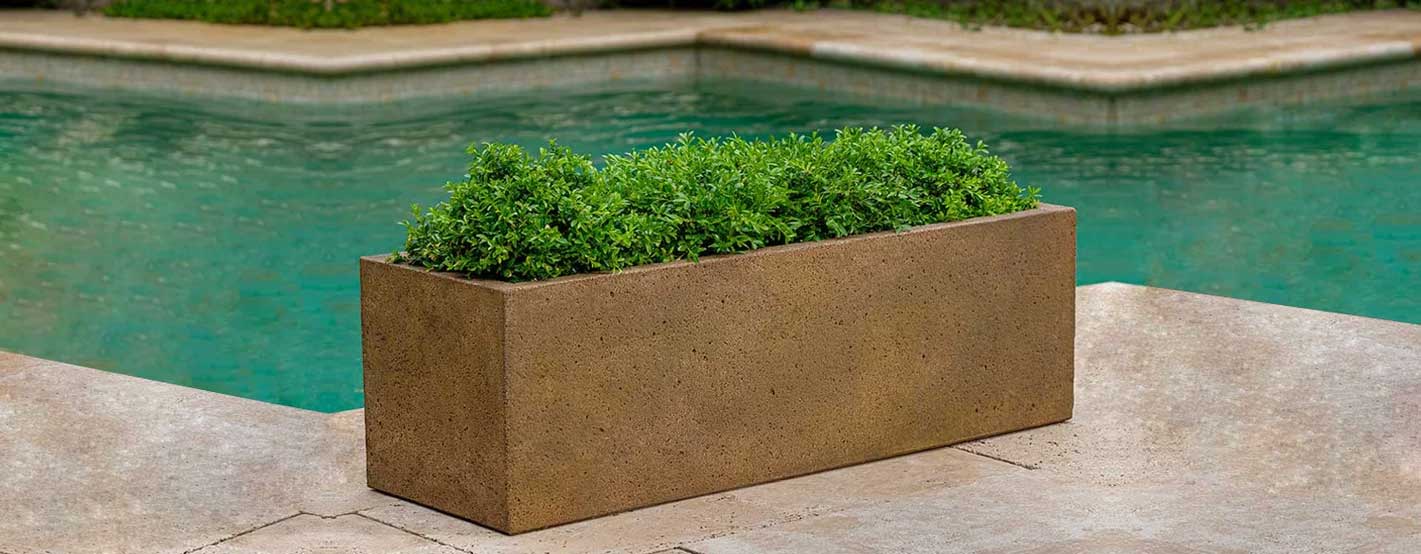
<point>520,217</point>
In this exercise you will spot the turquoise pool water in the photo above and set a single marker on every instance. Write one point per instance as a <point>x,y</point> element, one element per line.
<point>214,246</point>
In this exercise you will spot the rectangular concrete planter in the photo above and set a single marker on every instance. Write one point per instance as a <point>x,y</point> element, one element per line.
<point>526,405</point>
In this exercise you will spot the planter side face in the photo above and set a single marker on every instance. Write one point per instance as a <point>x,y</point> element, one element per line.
<point>434,392</point>
<point>668,382</point>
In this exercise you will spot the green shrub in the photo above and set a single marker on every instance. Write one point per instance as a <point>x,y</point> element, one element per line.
<point>519,217</point>
<point>321,14</point>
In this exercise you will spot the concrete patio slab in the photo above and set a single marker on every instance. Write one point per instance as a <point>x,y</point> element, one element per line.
<point>1039,513</point>
<point>1230,391</point>
<point>92,461</point>
<point>705,517</point>
<point>1203,424</point>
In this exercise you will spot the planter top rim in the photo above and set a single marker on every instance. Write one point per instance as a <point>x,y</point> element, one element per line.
<point>1041,209</point>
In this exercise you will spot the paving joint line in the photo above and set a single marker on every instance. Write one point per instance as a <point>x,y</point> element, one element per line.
<point>808,513</point>
<point>247,532</point>
<point>999,459</point>
<point>815,513</point>
<point>415,533</point>
<point>342,514</point>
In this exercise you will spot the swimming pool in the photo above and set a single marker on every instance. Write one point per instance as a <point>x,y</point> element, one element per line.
<point>214,245</point>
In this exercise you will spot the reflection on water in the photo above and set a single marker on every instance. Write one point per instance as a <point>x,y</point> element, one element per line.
<point>215,246</point>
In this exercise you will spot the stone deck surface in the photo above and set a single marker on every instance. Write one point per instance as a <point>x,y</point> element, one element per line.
<point>1087,62</point>
<point>1202,424</point>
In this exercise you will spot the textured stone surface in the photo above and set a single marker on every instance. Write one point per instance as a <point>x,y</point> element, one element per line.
<point>435,393</point>
<point>92,461</point>
<point>1203,424</point>
<point>555,401</point>
<point>1037,512</point>
<point>1074,78</point>
<point>1299,401</point>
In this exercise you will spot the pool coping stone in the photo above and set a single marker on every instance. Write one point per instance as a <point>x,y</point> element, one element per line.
<point>1088,63</point>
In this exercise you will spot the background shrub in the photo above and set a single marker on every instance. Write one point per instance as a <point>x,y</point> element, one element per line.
<point>1095,16</point>
<point>519,217</point>
<point>438,11</point>
<point>1105,16</point>
<point>327,14</point>
<point>1121,16</point>
<point>710,4</point>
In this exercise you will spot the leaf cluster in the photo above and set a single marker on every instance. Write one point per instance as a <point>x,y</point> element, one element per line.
<point>521,217</point>
<point>327,14</point>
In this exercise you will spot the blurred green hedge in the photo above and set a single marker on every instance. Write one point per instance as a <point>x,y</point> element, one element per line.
<point>1122,16</point>
<point>1089,16</point>
<point>327,13</point>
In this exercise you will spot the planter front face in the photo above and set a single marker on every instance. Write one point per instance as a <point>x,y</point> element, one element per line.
<point>522,406</point>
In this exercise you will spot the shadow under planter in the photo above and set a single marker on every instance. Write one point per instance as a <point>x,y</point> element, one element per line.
<point>526,405</point>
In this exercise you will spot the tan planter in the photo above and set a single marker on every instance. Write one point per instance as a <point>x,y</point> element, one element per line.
<point>525,405</point>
